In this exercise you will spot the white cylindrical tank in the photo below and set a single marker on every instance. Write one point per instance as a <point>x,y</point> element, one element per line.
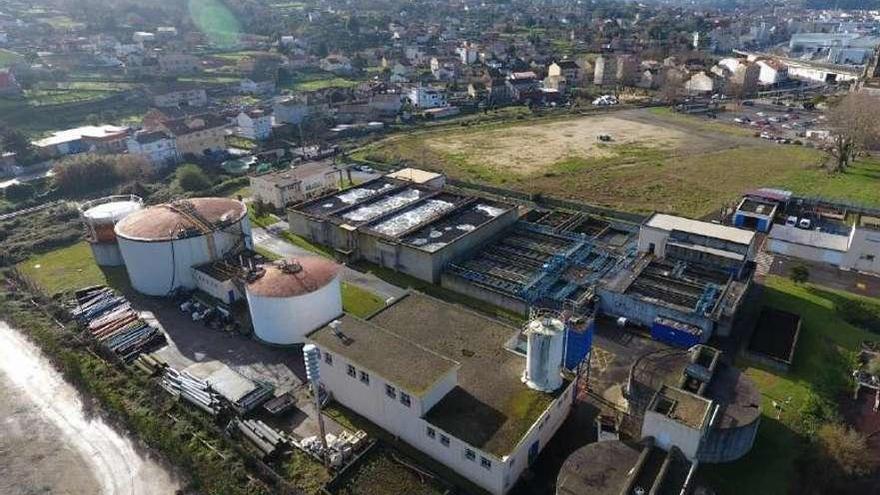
<point>100,217</point>
<point>293,298</point>
<point>546,345</point>
<point>162,243</point>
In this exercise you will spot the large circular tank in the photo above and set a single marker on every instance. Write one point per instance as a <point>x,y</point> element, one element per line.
<point>162,243</point>
<point>293,298</point>
<point>100,217</point>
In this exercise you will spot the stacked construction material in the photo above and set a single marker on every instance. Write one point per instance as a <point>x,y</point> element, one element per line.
<point>266,439</point>
<point>197,392</point>
<point>150,364</point>
<point>255,398</point>
<point>339,448</point>
<point>281,404</point>
<point>110,319</point>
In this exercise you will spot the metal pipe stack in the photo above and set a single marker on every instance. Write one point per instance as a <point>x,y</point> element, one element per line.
<point>255,399</point>
<point>266,439</point>
<point>112,322</point>
<point>193,390</point>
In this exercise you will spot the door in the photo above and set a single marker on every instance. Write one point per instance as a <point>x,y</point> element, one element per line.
<point>533,451</point>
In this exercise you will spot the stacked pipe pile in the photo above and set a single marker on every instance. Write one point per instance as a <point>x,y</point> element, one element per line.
<point>111,320</point>
<point>195,391</point>
<point>150,365</point>
<point>255,398</point>
<point>266,439</point>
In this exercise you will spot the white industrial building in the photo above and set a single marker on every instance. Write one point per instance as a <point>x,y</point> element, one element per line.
<point>668,235</point>
<point>162,243</point>
<point>289,299</point>
<point>100,217</point>
<point>856,248</point>
<point>441,378</point>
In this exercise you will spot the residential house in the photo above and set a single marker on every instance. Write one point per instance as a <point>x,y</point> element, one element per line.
<point>444,68</point>
<point>424,97</point>
<point>568,69</point>
<point>468,53</point>
<point>199,134</point>
<point>8,164</point>
<point>302,182</point>
<point>700,83</point>
<point>338,64</point>
<point>772,72</point>
<point>604,71</point>
<point>178,63</point>
<point>254,124</point>
<point>256,85</point>
<point>179,95</point>
<point>291,110</point>
<point>477,90</point>
<point>157,147</point>
<point>522,84</point>
<point>103,138</point>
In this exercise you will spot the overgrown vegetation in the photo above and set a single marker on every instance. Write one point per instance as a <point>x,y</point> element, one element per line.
<point>190,177</point>
<point>38,232</point>
<point>87,173</point>
<point>798,404</point>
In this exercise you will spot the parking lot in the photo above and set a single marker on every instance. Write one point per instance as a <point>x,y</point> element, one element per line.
<point>773,122</point>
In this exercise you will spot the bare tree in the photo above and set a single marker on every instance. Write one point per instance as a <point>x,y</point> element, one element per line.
<point>854,126</point>
<point>672,87</point>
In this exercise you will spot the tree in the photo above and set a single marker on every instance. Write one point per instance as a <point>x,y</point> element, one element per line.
<point>88,172</point>
<point>800,274</point>
<point>192,178</point>
<point>846,449</point>
<point>19,192</point>
<point>672,87</point>
<point>854,126</point>
<point>13,140</point>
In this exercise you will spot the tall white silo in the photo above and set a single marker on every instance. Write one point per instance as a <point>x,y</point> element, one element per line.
<point>546,346</point>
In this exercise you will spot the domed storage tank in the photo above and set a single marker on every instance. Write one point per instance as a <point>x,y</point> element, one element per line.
<point>546,337</point>
<point>162,243</point>
<point>293,298</point>
<point>100,217</point>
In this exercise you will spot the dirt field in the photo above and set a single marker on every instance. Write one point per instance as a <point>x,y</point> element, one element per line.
<point>657,161</point>
<point>550,143</point>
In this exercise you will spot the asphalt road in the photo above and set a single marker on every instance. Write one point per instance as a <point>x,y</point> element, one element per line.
<point>267,240</point>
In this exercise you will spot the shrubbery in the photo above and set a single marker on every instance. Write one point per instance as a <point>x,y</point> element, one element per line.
<point>863,314</point>
<point>192,178</point>
<point>87,173</point>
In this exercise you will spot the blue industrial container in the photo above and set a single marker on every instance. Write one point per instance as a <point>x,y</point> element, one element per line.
<point>675,333</point>
<point>738,220</point>
<point>578,340</point>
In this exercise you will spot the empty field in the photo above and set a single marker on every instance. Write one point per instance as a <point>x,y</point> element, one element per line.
<point>655,161</point>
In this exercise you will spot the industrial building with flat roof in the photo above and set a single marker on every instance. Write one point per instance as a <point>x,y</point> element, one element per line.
<point>549,259</point>
<point>403,225</point>
<point>440,377</point>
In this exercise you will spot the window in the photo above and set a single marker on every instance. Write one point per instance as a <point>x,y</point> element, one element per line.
<point>405,400</point>
<point>390,391</point>
<point>444,440</point>
<point>486,463</point>
<point>351,371</point>
<point>470,455</point>
<point>328,358</point>
<point>365,377</point>
<point>432,433</point>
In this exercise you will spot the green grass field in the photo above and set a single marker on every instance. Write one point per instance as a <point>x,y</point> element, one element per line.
<point>316,80</point>
<point>823,352</point>
<point>64,270</point>
<point>693,171</point>
<point>8,57</point>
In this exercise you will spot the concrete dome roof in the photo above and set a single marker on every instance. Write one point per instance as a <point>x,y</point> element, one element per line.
<point>165,222</point>
<point>294,277</point>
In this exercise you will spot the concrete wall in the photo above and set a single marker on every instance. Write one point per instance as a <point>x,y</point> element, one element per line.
<point>466,287</point>
<point>668,433</point>
<point>643,313</point>
<point>728,444</point>
<point>804,252</point>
